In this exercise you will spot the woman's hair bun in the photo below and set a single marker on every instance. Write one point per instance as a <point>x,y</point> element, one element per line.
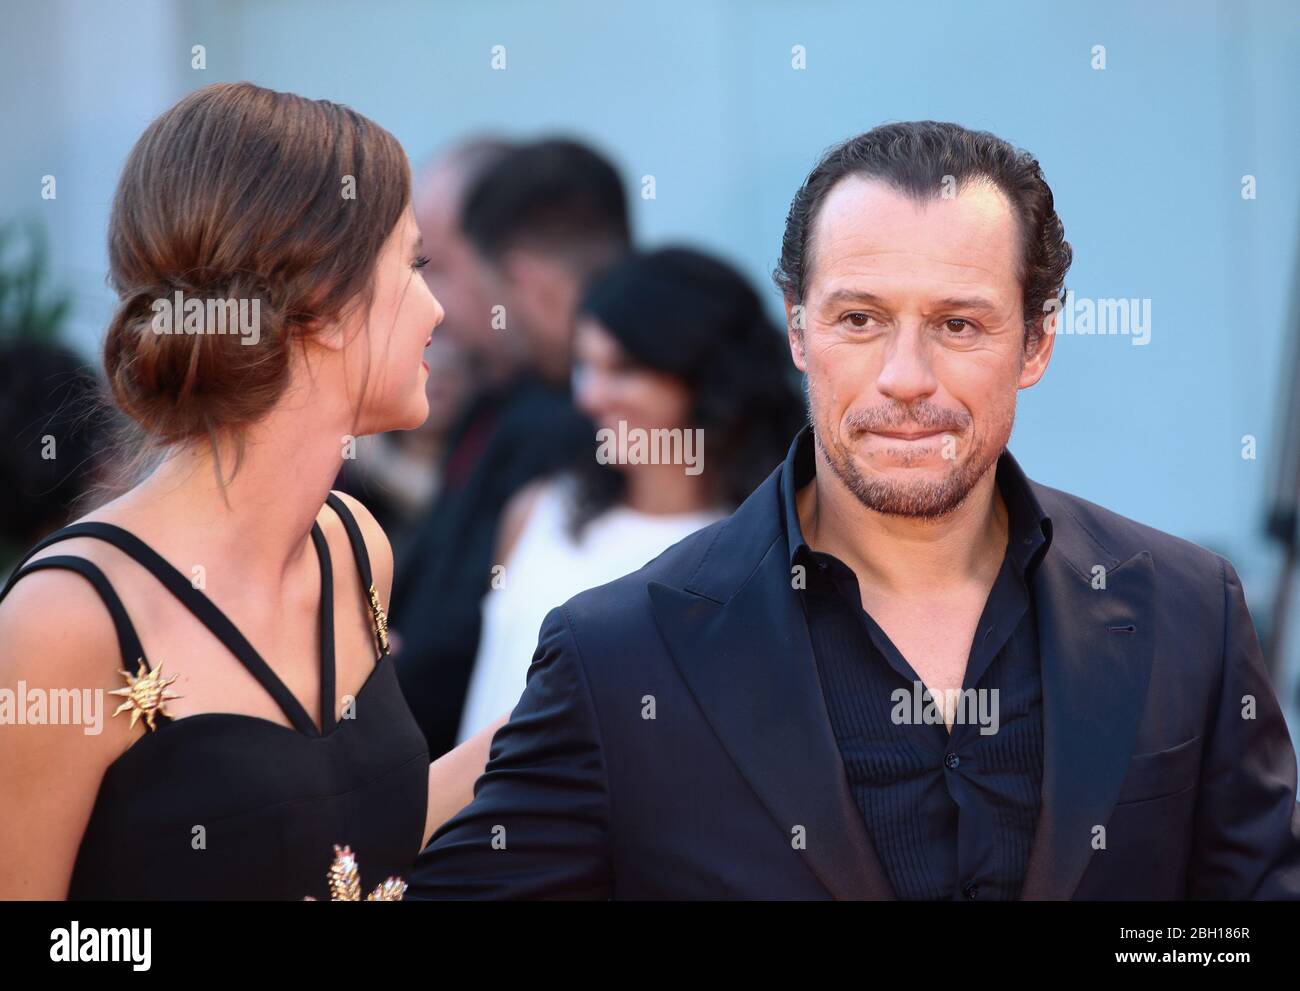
<point>235,199</point>
<point>187,360</point>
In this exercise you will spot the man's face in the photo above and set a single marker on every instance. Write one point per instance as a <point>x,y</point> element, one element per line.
<point>913,342</point>
<point>541,294</point>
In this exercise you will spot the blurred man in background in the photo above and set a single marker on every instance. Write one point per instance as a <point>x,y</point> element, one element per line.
<point>398,474</point>
<point>545,221</point>
<point>514,235</point>
<point>454,272</point>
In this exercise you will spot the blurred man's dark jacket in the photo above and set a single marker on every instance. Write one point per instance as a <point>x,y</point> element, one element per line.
<point>507,438</point>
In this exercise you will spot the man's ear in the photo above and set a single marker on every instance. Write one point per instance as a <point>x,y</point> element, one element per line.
<point>1035,363</point>
<point>537,281</point>
<point>513,268</point>
<point>794,328</point>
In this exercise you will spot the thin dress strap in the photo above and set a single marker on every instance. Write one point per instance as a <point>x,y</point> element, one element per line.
<point>127,639</point>
<point>327,721</point>
<point>378,618</point>
<point>217,621</point>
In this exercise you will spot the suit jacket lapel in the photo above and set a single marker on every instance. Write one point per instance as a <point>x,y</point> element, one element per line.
<point>1095,651</point>
<point>738,635</point>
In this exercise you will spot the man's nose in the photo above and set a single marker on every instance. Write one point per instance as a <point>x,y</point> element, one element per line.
<point>906,372</point>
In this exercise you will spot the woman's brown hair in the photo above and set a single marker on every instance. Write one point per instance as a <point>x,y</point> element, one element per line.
<point>240,193</point>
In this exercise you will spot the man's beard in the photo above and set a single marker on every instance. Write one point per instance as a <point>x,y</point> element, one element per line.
<point>920,499</point>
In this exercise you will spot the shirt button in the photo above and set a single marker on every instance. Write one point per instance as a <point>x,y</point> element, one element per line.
<point>971,890</point>
<point>952,761</point>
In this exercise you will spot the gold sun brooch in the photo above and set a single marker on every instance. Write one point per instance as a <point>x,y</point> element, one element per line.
<point>146,692</point>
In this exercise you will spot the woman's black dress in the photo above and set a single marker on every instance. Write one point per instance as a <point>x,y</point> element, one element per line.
<point>225,805</point>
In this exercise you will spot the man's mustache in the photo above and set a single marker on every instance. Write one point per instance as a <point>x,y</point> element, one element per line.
<point>904,416</point>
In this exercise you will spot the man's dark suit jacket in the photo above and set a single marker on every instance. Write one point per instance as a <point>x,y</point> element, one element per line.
<point>1168,769</point>
<point>522,432</point>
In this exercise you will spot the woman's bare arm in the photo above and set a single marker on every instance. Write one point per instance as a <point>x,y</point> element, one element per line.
<point>452,777</point>
<point>49,772</point>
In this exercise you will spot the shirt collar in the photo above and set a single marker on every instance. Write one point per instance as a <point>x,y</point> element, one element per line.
<point>1030,528</point>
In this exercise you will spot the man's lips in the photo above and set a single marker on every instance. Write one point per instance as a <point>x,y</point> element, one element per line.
<point>908,434</point>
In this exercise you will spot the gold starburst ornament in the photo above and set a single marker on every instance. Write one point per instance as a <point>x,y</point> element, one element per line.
<point>380,621</point>
<point>146,694</point>
<point>345,881</point>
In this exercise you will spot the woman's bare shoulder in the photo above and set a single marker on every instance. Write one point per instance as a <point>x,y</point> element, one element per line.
<point>56,629</point>
<point>378,548</point>
<point>60,647</point>
<point>59,609</point>
<point>59,663</point>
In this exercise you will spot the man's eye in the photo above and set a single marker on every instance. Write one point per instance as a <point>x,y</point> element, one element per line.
<point>958,326</point>
<point>858,319</point>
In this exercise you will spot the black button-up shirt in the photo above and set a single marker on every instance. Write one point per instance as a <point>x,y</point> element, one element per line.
<point>951,815</point>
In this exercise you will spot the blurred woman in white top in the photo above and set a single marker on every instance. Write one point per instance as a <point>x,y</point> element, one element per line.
<point>687,382</point>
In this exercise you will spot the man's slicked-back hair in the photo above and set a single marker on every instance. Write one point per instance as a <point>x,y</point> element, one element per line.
<point>923,159</point>
<point>557,196</point>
